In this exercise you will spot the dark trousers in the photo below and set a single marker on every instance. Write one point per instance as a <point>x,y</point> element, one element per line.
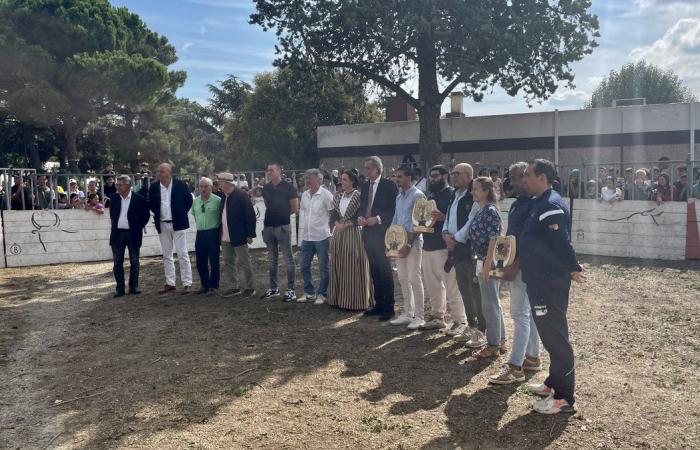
<point>380,270</point>
<point>469,287</point>
<point>549,302</point>
<point>122,242</point>
<point>207,250</point>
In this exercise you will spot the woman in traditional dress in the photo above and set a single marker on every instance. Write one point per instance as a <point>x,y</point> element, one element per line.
<point>350,284</point>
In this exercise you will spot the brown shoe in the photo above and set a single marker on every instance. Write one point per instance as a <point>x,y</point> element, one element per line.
<point>487,352</point>
<point>166,288</point>
<point>532,364</point>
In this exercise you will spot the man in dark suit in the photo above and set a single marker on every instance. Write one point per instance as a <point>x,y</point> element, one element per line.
<point>129,213</point>
<point>170,200</point>
<point>377,207</point>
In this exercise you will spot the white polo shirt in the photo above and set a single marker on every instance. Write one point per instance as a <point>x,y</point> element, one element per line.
<point>314,215</point>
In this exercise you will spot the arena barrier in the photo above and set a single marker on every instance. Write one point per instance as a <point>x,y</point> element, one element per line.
<point>31,238</point>
<point>634,229</point>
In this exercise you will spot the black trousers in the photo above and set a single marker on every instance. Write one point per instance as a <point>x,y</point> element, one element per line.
<point>122,242</point>
<point>207,249</point>
<point>549,302</point>
<point>380,270</point>
<point>469,286</point>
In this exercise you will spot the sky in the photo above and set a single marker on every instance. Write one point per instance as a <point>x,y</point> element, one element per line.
<point>213,39</point>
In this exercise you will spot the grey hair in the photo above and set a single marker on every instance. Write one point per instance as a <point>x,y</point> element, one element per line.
<point>207,180</point>
<point>519,167</point>
<point>376,162</point>
<point>314,172</point>
<point>124,179</point>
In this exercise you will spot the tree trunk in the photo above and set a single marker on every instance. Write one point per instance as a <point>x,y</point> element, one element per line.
<point>430,143</point>
<point>71,134</point>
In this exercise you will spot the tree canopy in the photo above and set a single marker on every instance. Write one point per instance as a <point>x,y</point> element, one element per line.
<point>522,45</point>
<point>640,80</point>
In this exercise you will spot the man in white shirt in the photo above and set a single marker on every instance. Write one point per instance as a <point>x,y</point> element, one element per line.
<point>315,234</point>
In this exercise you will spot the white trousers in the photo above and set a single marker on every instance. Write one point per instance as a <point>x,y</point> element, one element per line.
<point>409,269</point>
<point>443,291</point>
<point>170,238</point>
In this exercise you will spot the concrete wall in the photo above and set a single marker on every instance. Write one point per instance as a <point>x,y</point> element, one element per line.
<point>79,236</point>
<point>633,229</point>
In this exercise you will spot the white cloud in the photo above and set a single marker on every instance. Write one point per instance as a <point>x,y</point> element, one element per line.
<point>678,50</point>
<point>186,46</point>
<point>230,4</point>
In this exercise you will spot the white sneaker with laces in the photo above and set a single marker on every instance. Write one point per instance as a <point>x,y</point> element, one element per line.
<point>415,324</point>
<point>550,405</point>
<point>320,299</point>
<point>401,320</point>
<point>540,389</point>
<point>477,340</point>
<point>306,298</point>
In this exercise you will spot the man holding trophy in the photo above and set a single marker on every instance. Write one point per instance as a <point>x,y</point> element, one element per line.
<point>410,254</point>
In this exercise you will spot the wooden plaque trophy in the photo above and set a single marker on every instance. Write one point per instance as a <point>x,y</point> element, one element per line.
<point>394,239</point>
<point>423,215</point>
<point>503,255</point>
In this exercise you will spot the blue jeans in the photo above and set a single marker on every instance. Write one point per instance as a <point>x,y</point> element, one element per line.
<point>526,341</point>
<point>493,314</point>
<point>308,250</point>
<point>275,237</point>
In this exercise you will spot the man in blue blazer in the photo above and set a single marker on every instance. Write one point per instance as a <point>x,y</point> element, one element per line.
<point>129,213</point>
<point>170,200</point>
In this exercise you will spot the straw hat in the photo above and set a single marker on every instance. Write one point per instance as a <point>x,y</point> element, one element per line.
<point>226,177</point>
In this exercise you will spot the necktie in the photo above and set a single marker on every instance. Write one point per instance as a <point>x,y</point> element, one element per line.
<point>368,213</point>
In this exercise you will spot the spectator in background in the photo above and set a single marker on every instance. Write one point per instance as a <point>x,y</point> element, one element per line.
<point>146,178</point>
<point>73,189</point>
<point>94,204</point>
<point>663,191</point>
<point>483,172</point>
<point>328,183</point>
<point>681,172</point>
<point>497,183</point>
<point>609,193</point>
<point>591,190</point>
<point>602,175</point>
<point>109,189</point>
<point>62,201</point>
<point>575,185</point>
<point>92,189</point>
<point>696,186</point>
<point>638,189</point>
<point>20,194</point>
<point>109,168</point>
<point>682,188</point>
<point>629,176</point>
<point>75,202</point>
<point>242,181</point>
<point>44,194</point>
<point>507,186</point>
<point>257,197</point>
<point>421,183</point>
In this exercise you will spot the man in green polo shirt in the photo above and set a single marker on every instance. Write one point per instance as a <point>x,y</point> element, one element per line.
<point>207,215</point>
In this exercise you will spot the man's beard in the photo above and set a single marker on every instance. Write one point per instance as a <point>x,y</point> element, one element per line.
<point>435,187</point>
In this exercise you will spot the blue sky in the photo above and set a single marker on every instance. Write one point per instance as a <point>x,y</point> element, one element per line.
<point>213,39</point>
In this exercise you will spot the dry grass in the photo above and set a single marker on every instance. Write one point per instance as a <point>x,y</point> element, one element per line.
<point>82,370</point>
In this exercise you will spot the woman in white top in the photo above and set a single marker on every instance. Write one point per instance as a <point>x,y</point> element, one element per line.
<point>609,193</point>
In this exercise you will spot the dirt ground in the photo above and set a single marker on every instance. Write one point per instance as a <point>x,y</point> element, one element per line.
<point>79,369</point>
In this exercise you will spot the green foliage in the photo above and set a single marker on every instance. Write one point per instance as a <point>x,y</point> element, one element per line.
<point>638,80</point>
<point>522,45</point>
<point>75,61</point>
<point>277,120</point>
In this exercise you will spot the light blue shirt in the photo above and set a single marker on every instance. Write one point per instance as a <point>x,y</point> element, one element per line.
<point>404,207</point>
<point>450,225</point>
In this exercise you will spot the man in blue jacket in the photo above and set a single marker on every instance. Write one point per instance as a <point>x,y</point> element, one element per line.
<point>548,263</point>
<point>170,200</point>
<point>129,213</point>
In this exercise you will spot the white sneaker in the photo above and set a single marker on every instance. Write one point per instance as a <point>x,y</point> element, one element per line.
<point>466,335</point>
<point>540,389</point>
<point>401,320</point>
<point>415,324</point>
<point>306,298</point>
<point>457,329</point>
<point>320,300</point>
<point>477,340</point>
<point>549,405</point>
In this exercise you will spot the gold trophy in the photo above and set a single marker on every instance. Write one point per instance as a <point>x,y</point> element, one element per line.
<point>423,215</point>
<point>503,255</point>
<point>394,239</point>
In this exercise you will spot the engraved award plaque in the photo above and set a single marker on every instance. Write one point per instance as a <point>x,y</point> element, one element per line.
<point>503,255</point>
<point>422,215</point>
<point>394,239</point>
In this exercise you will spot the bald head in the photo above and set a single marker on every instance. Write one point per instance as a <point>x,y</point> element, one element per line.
<point>165,173</point>
<point>462,175</point>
